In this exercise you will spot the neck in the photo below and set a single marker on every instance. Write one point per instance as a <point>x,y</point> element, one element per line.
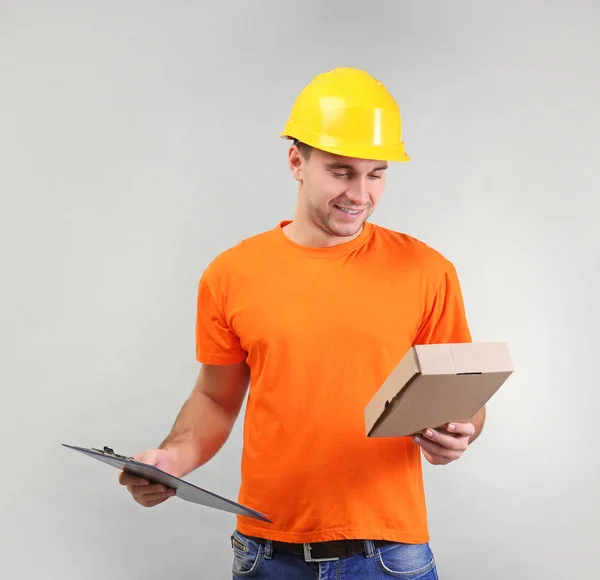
<point>305,232</point>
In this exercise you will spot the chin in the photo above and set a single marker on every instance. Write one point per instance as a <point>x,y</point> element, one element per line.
<point>347,230</point>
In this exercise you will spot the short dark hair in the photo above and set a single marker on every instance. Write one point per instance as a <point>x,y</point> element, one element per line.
<point>304,149</point>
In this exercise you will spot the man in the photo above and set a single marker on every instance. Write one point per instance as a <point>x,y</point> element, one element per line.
<point>313,315</point>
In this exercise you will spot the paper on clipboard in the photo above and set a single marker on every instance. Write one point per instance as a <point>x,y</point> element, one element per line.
<point>183,489</point>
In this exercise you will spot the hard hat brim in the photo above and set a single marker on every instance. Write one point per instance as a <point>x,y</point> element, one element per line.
<point>343,147</point>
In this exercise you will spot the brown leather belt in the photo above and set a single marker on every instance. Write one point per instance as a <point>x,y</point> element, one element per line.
<point>324,551</point>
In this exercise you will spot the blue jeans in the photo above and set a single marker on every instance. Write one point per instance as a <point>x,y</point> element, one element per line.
<point>256,560</point>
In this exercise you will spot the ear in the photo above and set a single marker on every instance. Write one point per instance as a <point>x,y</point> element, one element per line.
<point>296,162</point>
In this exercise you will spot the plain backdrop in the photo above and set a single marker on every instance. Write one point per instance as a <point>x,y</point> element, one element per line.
<point>138,139</point>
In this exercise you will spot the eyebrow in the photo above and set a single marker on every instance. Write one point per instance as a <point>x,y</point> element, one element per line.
<point>349,167</point>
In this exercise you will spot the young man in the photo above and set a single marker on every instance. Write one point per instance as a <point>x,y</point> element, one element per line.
<point>313,315</point>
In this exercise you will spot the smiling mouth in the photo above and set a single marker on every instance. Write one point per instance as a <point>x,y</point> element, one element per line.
<point>349,211</point>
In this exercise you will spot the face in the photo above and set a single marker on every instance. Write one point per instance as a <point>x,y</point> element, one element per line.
<point>337,194</point>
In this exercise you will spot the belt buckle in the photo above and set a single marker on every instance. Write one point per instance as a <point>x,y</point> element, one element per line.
<point>308,556</point>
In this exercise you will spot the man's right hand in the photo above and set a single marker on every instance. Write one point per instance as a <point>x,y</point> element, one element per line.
<point>144,492</point>
<point>201,428</point>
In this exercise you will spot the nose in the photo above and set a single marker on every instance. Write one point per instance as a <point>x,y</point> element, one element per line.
<point>358,192</point>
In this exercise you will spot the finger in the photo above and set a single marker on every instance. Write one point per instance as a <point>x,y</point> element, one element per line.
<point>149,498</point>
<point>435,459</point>
<point>128,479</point>
<point>445,439</point>
<point>467,429</point>
<point>153,503</point>
<point>436,449</point>
<point>147,489</point>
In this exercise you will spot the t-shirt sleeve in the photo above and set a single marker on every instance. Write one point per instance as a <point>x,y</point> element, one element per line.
<point>216,343</point>
<point>446,321</point>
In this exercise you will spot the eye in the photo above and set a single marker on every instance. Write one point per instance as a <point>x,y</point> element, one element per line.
<point>340,175</point>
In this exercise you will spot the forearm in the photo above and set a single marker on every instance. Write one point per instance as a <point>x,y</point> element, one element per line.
<point>478,422</point>
<point>200,430</point>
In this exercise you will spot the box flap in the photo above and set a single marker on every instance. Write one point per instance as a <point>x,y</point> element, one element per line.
<point>399,378</point>
<point>463,358</point>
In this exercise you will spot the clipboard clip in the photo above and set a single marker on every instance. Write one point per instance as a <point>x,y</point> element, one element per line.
<point>108,451</point>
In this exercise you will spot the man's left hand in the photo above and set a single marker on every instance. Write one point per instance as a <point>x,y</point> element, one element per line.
<point>442,446</point>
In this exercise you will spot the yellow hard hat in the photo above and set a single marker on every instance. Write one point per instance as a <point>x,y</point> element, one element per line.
<point>348,112</point>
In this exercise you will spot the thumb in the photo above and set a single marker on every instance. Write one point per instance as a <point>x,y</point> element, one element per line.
<point>150,456</point>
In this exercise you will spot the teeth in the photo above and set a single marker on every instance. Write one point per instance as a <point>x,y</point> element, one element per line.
<point>350,211</point>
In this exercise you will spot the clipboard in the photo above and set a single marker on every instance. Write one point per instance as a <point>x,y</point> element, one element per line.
<point>183,489</point>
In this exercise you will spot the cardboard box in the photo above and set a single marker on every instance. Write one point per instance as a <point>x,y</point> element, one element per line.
<point>435,384</point>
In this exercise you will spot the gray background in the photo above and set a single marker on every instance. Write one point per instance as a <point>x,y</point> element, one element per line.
<point>140,138</point>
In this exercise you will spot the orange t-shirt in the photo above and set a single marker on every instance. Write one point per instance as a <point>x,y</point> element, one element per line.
<point>321,328</point>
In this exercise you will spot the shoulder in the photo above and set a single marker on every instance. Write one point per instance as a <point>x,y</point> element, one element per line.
<point>239,257</point>
<point>411,256</point>
<point>405,247</point>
